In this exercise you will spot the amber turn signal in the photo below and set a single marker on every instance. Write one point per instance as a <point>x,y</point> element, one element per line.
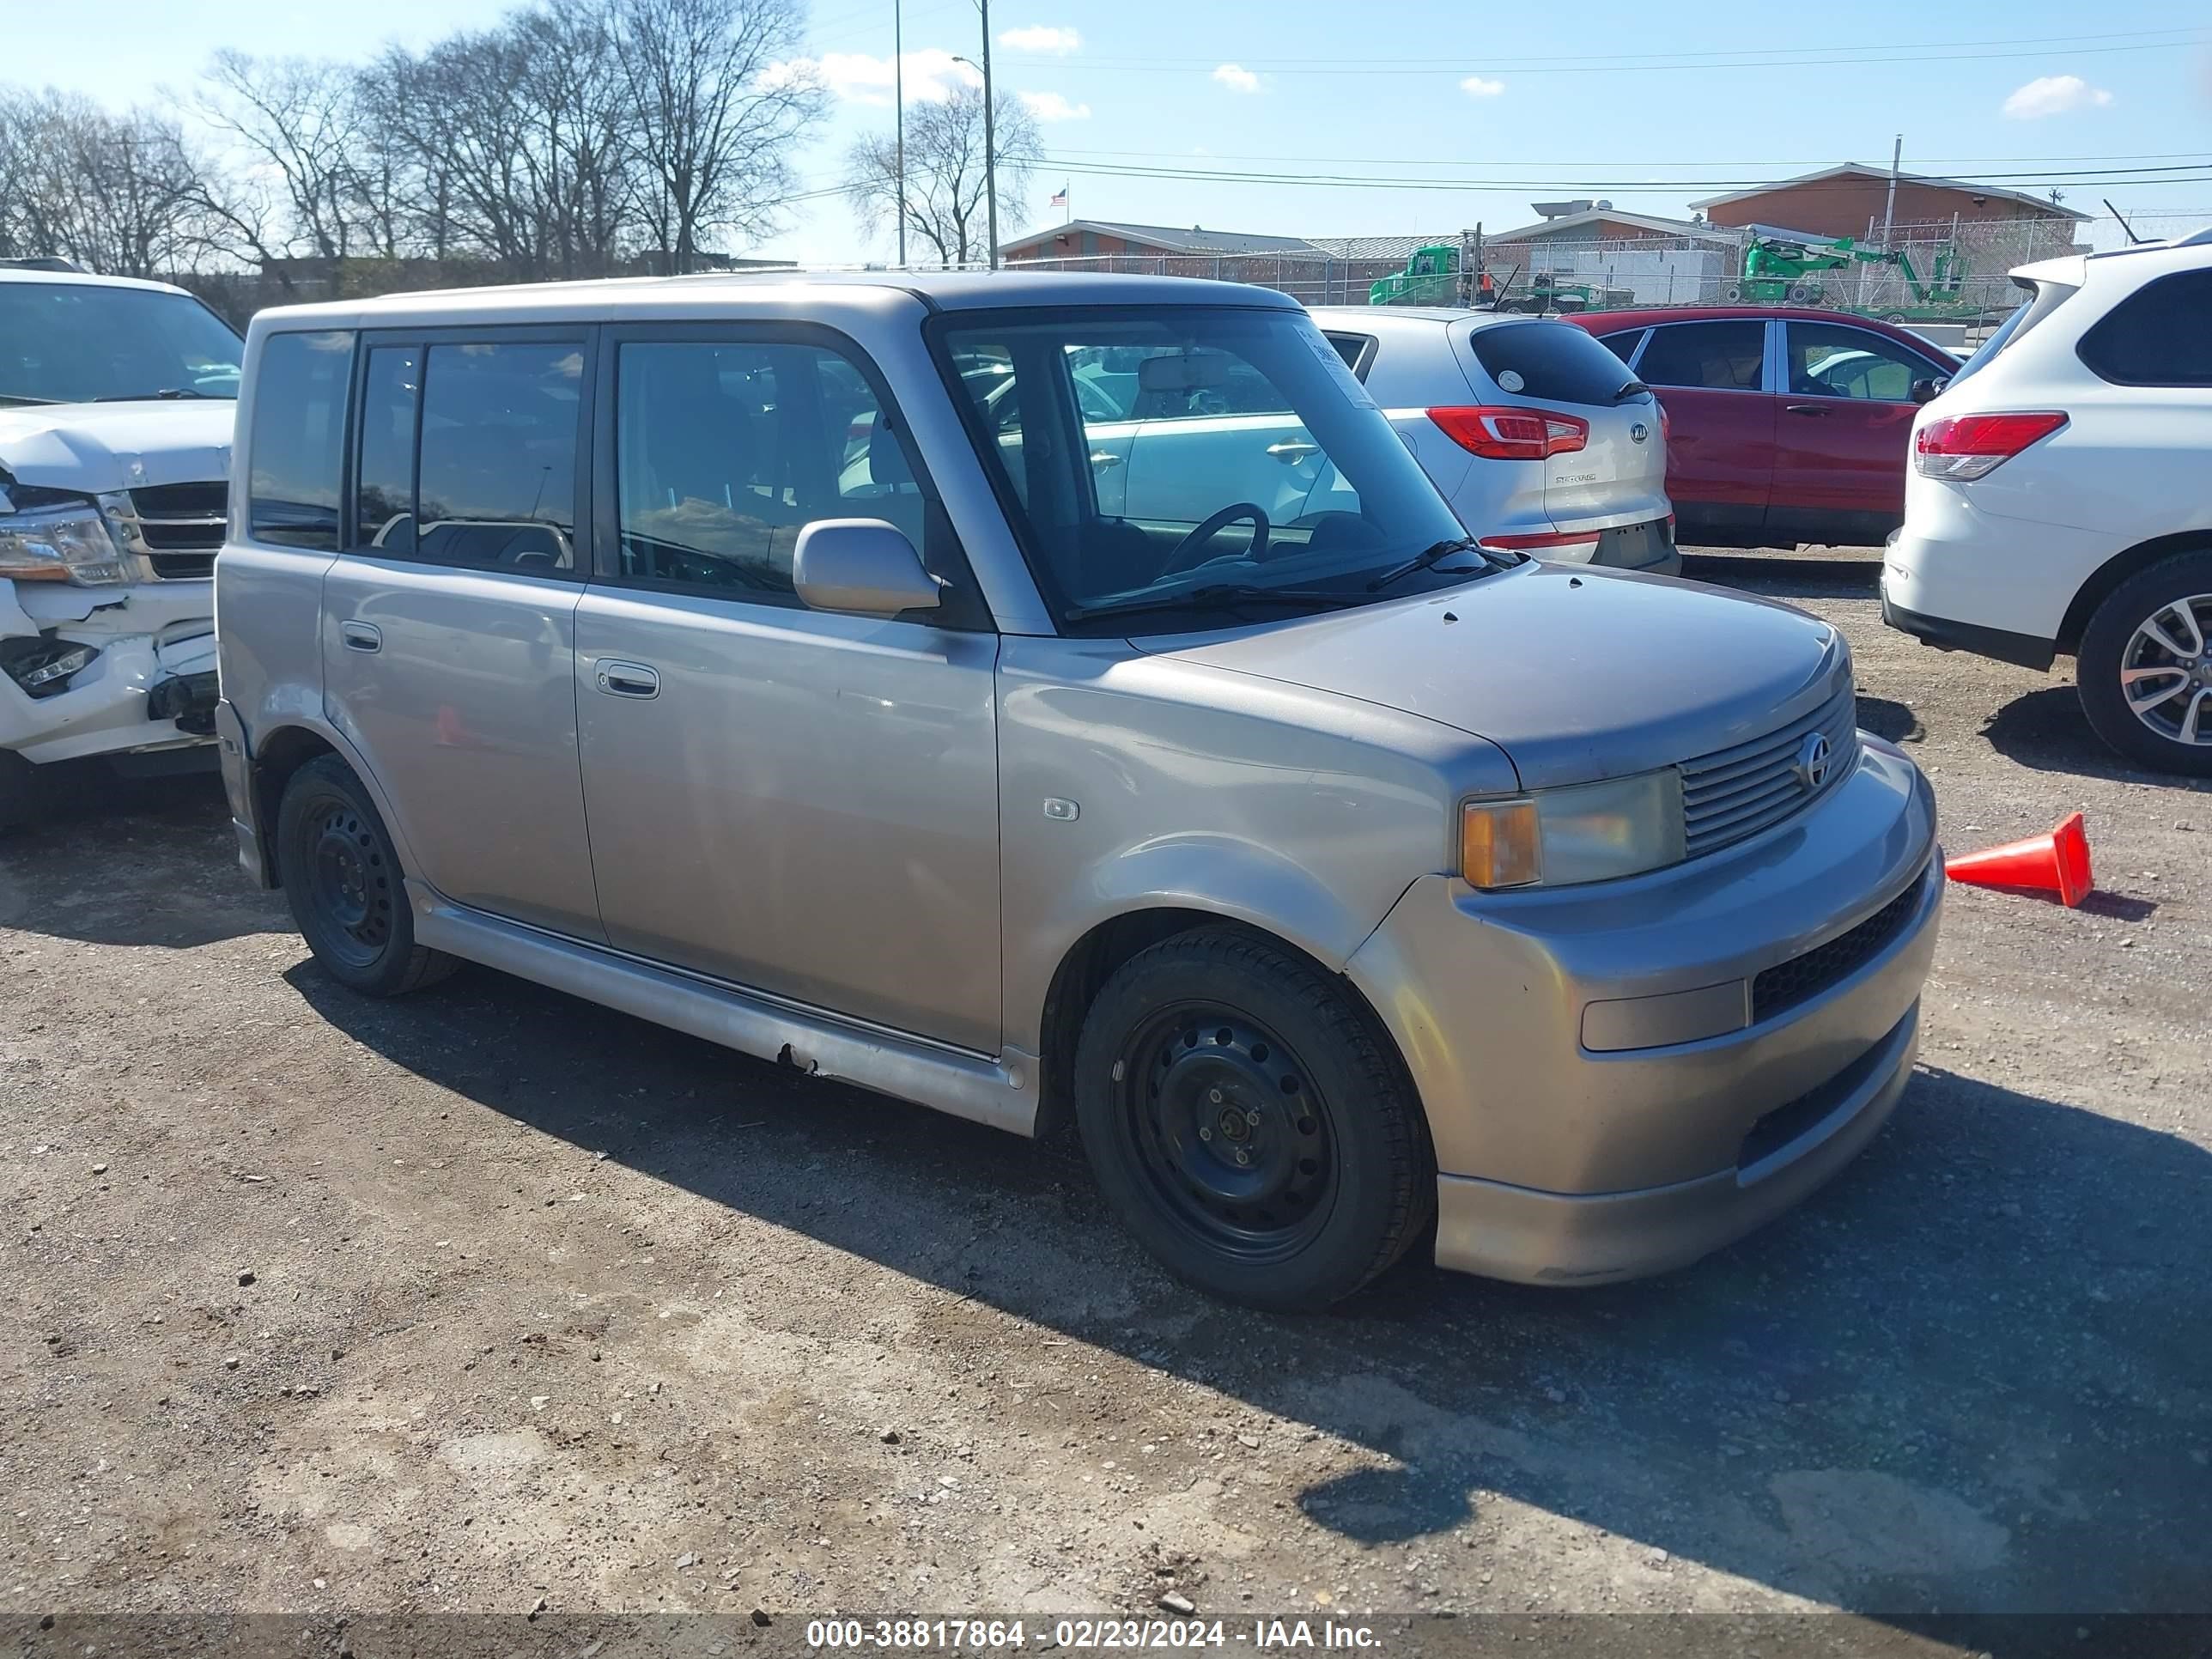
<point>1500,843</point>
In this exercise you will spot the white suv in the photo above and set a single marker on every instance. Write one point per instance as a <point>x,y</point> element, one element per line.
<point>116,399</point>
<point>2057,501</point>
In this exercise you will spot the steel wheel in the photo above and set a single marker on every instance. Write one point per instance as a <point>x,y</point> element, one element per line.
<point>1230,1131</point>
<point>2165,671</point>
<point>350,883</point>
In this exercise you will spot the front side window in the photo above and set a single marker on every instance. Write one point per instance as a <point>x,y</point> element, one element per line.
<point>2160,335</point>
<point>725,451</point>
<point>1162,456</point>
<point>71,343</point>
<point>1832,360</point>
<point>296,447</point>
<point>1728,356</point>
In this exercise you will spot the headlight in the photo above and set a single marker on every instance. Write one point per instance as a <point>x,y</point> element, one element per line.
<point>61,544</point>
<point>1590,832</point>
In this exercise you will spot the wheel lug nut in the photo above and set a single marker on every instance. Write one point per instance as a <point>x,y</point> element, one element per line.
<point>1214,1095</point>
<point>1205,1134</point>
<point>1252,1118</point>
<point>1243,1156</point>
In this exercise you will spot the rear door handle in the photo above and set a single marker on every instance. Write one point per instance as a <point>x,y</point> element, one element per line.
<point>1291,452</point>
<point>361,637</point>
<point>629,679</point>
<point>1805,409</point>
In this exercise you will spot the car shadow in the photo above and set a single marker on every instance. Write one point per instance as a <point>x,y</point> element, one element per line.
<point>1779,576</point>
<point>1893,720</point>
<point>1968,1375</point>
<point>58,874</point>
<point>2046,730</point>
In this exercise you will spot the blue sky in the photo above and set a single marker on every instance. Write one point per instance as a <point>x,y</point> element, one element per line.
<point>1649,106</point>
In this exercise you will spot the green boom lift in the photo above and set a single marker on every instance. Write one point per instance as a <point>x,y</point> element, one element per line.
<point>1778,272</point>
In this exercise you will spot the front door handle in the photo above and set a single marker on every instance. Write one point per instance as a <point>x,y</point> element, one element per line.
<point>1805,409</point>
<point>629,679</point>
<point>1291,452</point>
<point>361,637</point>
<point>1104,458</point>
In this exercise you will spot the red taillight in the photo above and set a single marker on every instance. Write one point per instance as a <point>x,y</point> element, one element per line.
<point>1511,434</point>
<point>1666,426</point>
<point>1553,542</point>
<point>1965,447</point>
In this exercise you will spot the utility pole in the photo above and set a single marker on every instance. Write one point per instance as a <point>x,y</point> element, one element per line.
<point>1889,207</point>
<point>990,147</point>
<point>898,119</point>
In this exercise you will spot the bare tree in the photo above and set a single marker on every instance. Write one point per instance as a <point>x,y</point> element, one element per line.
<point>945,201</point>
<point>117,193</point>
<point>717,109</point>
<point>296,117</point>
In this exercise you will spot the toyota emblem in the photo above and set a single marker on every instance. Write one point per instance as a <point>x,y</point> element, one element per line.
<point>1813,756</point>
<point>1639,432</point>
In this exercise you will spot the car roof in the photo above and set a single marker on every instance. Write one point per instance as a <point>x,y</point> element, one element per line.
<point>788,295</point>
<point>84,279</point>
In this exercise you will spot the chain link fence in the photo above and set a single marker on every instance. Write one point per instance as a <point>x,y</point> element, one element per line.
<point>1958,270</point>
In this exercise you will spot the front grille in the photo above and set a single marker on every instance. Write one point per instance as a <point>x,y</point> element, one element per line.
<point>1796,1119</point>
<point>1733,793</point>
<point>1802,978</point>
<point>181,526</point>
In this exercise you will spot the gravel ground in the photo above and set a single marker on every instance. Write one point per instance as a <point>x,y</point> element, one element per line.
<point>488,1297</point>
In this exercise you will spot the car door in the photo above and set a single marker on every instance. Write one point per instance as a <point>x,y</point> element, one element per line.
<point>797,803</point>
<point>1710,377</point>
<point>1228,440</point>
<point>1846,430</point>
<point>449,617</point>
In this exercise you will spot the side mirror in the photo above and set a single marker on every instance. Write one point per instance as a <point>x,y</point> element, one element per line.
<point>863,566</point>
<point>1925,391</point>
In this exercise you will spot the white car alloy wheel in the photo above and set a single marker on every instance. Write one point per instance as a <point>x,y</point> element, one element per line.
<point>2165,671</point>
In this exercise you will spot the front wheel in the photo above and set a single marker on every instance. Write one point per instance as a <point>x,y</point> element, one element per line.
<point>2144,672</point>
<point>343,880</point>
<point>1248,1123</point>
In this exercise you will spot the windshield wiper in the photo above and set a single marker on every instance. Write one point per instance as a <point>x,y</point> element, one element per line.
<point>1213,594</point>
<point>165,393</point>
<point>1631,389</point>
<point>25,397</point>
<point>1435,554</point>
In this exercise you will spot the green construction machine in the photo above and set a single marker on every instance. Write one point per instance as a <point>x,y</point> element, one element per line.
<point>1430,278</point>
<point>1451,274</point>
<point>1779,271</point>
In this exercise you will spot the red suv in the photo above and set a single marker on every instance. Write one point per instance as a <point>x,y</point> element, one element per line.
<point>1784,425</point>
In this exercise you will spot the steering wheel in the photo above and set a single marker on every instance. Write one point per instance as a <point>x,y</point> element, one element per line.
<point>1213,524</point>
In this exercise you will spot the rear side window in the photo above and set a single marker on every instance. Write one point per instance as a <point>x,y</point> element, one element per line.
<point>466,454</point>
<point>298,440</point>
<point>1555,362</point>
<point>2160,335</point>
<point>1727,356</point>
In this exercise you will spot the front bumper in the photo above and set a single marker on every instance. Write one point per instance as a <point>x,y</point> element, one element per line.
<point>151,687</point>
<point>1569,1156</point>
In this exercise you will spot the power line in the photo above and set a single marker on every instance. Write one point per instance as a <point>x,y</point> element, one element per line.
<point>2191,156</point>
<point>1539,67</point>
<point>2192,172</point>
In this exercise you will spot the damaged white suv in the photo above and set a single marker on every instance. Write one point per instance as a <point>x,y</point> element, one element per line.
<point>116,399</point>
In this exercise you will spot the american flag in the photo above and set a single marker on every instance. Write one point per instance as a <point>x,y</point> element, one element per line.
<point>1059,198</point>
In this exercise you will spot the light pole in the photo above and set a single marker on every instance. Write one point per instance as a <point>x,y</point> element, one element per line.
<point>990,143</point>
<point>898,118</point>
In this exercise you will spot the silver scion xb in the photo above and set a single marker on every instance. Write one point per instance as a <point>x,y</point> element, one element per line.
<point>855,672</point>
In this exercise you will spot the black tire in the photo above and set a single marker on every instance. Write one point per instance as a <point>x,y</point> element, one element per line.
<point>1339,1178</point>
<point>2104,657</point>
<point>343,880</point>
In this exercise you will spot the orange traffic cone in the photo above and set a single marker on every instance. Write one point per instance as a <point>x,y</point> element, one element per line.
<point>2056,863</point>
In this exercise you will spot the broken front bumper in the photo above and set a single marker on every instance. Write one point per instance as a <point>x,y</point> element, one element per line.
<point>151,685</point>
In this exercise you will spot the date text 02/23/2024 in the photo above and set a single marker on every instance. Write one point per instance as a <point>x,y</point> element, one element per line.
<point>987,1635</point>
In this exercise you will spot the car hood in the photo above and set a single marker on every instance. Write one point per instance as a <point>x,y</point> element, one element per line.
<point>94,448</point>
<point>1577,674</point>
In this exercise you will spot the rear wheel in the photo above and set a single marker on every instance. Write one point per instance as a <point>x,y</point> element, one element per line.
<point>2144,672</point>
<point>1248,1124</point>
<point>343,880</point>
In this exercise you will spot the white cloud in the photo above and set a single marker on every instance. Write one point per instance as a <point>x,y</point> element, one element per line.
<point>1041,37</point>
<point>1475,87</point>
<point>2054,94</point>
<point>1051,106</point>
<point>1238,78</point>
<point>857,78</point>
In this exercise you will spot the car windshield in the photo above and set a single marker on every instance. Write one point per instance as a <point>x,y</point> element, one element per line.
<point>1196,458</point>
<point>66,342</point>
